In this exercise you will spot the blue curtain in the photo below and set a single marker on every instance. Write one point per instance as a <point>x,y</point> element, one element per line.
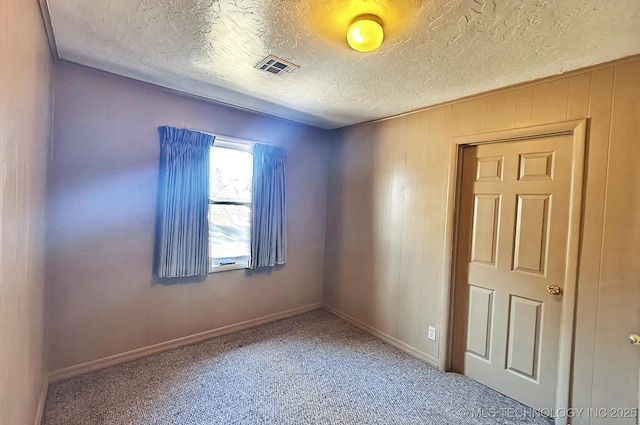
<point>183,198</point>
<point>268,215</point>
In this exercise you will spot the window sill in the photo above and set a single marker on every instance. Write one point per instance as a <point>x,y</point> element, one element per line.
<point>228,268</point>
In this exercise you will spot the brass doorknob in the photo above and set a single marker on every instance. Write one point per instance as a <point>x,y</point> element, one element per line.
<point>554,289</point>
<point>634,339</point>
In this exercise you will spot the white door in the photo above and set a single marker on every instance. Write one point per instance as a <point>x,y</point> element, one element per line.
<point>513,222</point>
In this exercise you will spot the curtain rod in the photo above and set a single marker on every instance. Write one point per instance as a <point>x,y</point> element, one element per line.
<point>228,138</point>
<point>231,139</point>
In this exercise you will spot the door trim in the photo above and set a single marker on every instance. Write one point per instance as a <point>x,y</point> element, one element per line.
<point>578,130</point>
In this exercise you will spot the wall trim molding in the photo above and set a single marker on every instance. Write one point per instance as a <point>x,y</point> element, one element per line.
<point>95,365</point>
<point>41,402</point>
<point>402,346</point>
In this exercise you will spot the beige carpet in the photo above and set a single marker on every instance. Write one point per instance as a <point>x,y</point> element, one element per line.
<point>310,369</point>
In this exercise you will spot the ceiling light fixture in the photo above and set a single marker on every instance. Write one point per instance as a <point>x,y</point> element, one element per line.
<point>365,33</point>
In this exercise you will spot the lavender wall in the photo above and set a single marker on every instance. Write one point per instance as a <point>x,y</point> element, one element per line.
<point>102,199</point>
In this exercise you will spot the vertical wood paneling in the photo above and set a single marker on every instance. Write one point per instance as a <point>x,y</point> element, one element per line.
<point>601,90</point>
<point>432,259</point>
<point>361,197</point>
<point>358,230</point>
<point>616,383</point>
<point>474,116</point>
<point>501,112</point>
<point>422,271</point>
<point>408,289</point>
<point>382,213</point>
<point>550,102</point>
<point>524,106</point>
<point>421,253</point>
<point>25,134</point>
<point>579,89</point>
<point>379,203</point>
<point>396,135</point>
<point>456,119</point>
<point>333,246</point>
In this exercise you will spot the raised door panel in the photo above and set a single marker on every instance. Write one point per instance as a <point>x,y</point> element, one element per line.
<point>536,166</point>
<point>480,319</point>
<point>531,234</point>
<point>489,169</point>
<point>485,228</point>
<point>523,345</point>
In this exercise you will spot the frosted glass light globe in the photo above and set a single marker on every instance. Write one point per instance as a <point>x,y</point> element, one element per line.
<point>365,34</point>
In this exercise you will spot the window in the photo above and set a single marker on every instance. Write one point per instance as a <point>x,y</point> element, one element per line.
<point>230,176</point>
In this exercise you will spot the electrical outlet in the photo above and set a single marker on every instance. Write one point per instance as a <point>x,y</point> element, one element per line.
<point>432,333</point>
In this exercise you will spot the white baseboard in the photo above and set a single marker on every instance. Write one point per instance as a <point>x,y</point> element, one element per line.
<point>41,401</point>
<point>94,365</point>
<point>412,351</point>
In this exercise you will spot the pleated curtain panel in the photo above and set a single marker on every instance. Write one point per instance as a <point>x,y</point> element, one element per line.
<point>182,230</point>
<point>183,197</point>
<point>268,226</point>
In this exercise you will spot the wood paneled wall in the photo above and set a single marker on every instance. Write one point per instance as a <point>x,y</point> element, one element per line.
<point>25,135</point>
<point>387,219</point>
<point>101,219</point>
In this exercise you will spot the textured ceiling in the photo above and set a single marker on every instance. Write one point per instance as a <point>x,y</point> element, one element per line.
<point>435,50</point>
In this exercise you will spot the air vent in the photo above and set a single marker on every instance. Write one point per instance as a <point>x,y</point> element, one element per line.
<point>276,65</point>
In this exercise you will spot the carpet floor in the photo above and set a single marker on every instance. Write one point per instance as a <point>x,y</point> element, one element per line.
<point>310,369</point>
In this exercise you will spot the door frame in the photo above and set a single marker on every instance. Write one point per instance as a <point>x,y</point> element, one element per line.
<point>578,130</point>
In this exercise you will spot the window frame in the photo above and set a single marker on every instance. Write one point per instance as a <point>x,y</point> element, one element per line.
<point>243,145</point>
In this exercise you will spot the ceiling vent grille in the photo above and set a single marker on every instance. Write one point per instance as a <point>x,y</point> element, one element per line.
<point>276,65</point>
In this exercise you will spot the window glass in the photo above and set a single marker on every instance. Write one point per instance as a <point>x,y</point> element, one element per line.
<point>229,215</point>
<point>229,230</point>
<point>230,175</point>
